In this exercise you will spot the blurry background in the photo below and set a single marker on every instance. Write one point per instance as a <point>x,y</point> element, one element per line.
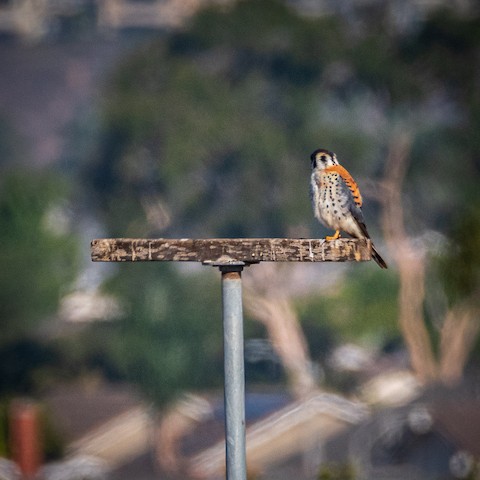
<point>166,118</point>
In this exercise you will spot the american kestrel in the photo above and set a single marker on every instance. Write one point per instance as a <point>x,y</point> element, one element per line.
<point>337,200</point>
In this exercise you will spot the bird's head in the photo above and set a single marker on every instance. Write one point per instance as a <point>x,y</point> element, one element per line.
<point>321,159</point>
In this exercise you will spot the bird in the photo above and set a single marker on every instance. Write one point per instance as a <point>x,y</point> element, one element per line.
<point>336,199</point>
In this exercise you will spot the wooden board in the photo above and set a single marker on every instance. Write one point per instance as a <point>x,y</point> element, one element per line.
<point>229,250</point>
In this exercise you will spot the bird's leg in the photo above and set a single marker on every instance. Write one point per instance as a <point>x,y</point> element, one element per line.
<point>333,237</point>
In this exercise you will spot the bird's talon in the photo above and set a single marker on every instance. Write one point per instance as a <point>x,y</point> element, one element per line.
<point>329,238</point>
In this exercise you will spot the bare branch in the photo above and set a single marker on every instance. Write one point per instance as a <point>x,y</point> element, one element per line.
<point>268,300</point>
<point>457,338</point>
<point>410,261</point>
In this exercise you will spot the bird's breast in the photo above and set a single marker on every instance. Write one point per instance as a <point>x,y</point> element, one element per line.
<point>332,203</point>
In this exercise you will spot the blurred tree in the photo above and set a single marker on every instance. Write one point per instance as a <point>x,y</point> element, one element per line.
<point>361,309</point>
<point>268,299</point>
<point>235,102</point>
<point>458,328</point>
<point>10,144</point>
<point>460,269</point>
<point>202,129</point>
<point>170,335</point>
<point>39,260</point>
<point>207,131</point>
<point>336,472</point>
<point>460,266</point>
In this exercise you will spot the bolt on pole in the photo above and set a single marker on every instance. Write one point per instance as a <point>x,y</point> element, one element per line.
<point>236,468</point>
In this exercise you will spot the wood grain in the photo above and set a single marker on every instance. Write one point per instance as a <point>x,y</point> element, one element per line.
<point>229,250</point>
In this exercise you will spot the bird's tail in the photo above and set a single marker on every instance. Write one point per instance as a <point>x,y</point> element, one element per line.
<point>378,258</point>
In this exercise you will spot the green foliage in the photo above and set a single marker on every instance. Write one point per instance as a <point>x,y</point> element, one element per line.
<point>208,122</point>
<point>170,335</point>
<point>38,255</point>
<point>362,308</point>
<point>447,47</point>
<point>460,264</point>
<point>39,260</point>
<point>53,445</point>
<point>207,131</point>
<point>334,471</point>
<point>10,144</point>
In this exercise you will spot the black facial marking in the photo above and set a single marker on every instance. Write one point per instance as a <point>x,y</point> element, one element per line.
<point>321,150</point>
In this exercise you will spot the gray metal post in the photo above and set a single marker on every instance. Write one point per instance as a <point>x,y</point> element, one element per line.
<point>234,372</point>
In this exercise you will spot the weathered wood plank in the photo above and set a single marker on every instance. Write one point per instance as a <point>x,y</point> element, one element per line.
<point>229,250</point>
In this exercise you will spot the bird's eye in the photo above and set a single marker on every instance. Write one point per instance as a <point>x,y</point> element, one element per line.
<point>323,158</point>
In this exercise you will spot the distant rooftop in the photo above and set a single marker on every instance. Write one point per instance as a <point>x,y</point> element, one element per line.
<point>79,409</point>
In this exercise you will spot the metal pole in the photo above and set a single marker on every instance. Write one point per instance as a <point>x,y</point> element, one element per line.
<point>234,372</point>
